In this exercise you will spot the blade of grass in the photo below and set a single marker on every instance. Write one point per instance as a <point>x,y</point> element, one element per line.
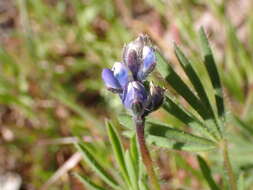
<point>240,182</point>
<point>60,95</point>
<point>88,183</point>
<point>91,161</point>
<point>248,129</point>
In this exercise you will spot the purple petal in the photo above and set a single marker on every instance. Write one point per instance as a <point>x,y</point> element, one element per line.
<point>121,73</point>
<point>135,92</point>
<point>111,82</point>
<point>132,62</point>
<point>149,62</point>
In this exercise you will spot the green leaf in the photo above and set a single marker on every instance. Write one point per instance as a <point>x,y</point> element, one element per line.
<point>240,123</point>
<point>165,136</point>
<point>182,163</point>
<point>207,173</point>
<point>143,178</point>
<point>186,117</point>
<point>195,80</point>
<point>88,183</point>
<point>176,110</point>
<point>212,72</point>
<point>240,182</point>
<point>118,150</point>
<point>133,174</point>
<point>134,152</point>
<point>91,161</point>
<point>178,84</point>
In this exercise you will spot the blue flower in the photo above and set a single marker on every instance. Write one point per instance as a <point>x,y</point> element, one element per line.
<point>139,58</point>
<point>148,64</point>
<point>117,78</point>
<point>135,95</point>
<point>111,82</point>
<point>121,73</point>
<point>127,78</point>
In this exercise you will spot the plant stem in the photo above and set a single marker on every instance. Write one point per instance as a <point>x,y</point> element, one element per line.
<point>227,165</point>
<point>139,122</point>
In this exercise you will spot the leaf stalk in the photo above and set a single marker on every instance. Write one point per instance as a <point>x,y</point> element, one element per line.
<point>228,166</point>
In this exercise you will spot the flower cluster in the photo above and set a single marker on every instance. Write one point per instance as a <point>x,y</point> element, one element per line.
<point>128,78</point>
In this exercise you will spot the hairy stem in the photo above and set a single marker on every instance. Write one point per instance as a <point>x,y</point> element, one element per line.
<point>139,121</point>
<point>228,167</point>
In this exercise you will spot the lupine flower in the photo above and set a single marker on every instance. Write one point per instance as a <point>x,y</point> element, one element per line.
<point>135,97</point>
<point>127,78</point>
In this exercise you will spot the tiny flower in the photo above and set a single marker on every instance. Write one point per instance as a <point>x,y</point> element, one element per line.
<point>111,82</point>
<point>148,64</point>
<point>135,97</point>
<point>121,73</point>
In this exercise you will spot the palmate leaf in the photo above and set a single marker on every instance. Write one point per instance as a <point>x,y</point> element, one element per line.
<point>100,171</point>
<point>165,136</point>
<point>207,173</point>
<point>201,102</point>
<point>194,78</point>
<point>88,183</point>
<point>212,72</point>
<point>118,150</point>
<point>162,135</point>
<point>186,117</point>
<point>179,85</point>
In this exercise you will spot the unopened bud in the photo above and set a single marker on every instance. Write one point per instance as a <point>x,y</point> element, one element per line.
<point>155,99</point>
<point>137,107</point>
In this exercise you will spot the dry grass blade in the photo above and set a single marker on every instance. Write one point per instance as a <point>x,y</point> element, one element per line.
<point>68,165</point>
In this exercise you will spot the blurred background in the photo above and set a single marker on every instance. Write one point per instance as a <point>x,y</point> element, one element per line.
<point>51,56</point>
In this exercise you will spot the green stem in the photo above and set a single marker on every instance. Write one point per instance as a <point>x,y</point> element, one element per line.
<point>228,167</point>
<point>139,122</point>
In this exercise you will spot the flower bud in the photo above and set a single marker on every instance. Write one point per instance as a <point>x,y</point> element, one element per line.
<point>133,63</point>
<point>132,55</point>
<point>155,99</point>
<point>149,62</point>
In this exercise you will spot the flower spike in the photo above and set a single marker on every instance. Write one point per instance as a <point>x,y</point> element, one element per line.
<point>127,78</point>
